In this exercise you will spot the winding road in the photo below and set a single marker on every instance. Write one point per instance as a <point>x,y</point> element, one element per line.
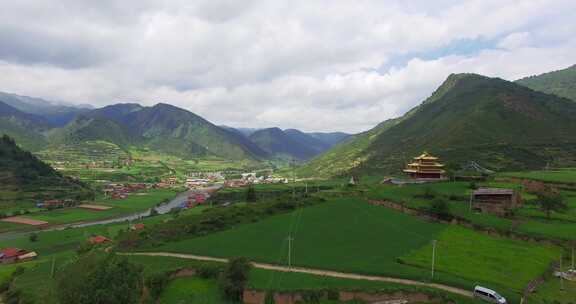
<point>320,272</point>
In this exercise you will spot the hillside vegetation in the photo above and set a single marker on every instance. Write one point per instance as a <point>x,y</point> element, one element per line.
<point>497,123</point>
<point>560,83</point>
<point>23,177</point>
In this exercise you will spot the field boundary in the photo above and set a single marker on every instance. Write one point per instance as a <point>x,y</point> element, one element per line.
<point>319,272</point>
<point>467,224</point>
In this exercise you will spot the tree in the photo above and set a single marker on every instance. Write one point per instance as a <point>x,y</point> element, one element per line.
<point>440,208</point>
<point>100,278</point>
<point>551,201</point>
<point>251,194</point>
<point>33,237</point>
<point>235,277</point>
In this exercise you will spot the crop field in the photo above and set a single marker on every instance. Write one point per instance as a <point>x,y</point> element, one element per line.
<point>530,219</point>
<point>351,235</point>
<point>325,235</point>
<point>481,257</point>
<point>567,176</point>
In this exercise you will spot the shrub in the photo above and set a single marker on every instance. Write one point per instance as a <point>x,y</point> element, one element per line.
<point>235,277</point>
<point>156,284</point>
<point>33,237</point>
<point>440,208</point>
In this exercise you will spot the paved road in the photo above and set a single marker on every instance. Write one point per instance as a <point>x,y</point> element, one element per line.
<point>320,272</point>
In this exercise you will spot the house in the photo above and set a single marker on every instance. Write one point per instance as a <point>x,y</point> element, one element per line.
<point>495,200</point>
<point>138,226</point>
<point>12,255</point>
<point>425,166</point>
<point>50,204</point>
<point>98,239</point>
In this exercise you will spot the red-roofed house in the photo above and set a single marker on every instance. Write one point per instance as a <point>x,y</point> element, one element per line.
<point>10,255</point>
<point>98,239</point>
<point>138,226</point>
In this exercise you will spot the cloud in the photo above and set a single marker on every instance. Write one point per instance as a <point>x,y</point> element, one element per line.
<point>315,65</point>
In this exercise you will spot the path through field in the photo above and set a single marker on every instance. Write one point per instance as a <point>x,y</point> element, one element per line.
<point>319,272</point>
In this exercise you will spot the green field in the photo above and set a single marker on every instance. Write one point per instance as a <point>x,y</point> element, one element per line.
<point>530,219</point>
<point>353,236</point>
<point>191,290</point>
<point>567,176</point>
<point>486,258</point>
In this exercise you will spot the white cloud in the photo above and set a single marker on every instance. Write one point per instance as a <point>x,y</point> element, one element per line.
<point>314,65</point>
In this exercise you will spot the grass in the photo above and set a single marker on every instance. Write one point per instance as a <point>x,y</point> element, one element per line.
<point>550,292</point>
<point>531,220</point>
<point>191,290</point>
<point>327,236</point>
<point>567,176</point>
<point>480,257</point>
<point>352,236</point>
<point>282,281</point>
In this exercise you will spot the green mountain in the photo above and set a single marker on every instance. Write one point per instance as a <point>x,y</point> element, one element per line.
<point>173,130</point>
<point>560,83</point>
<point>26,128</point>
<point>330,138</point>
<point>497,123</point>
<point>24,177</point>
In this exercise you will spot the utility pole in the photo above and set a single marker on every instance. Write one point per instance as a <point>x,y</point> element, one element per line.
<point>561,277</point>
<point>290,239</point>
<point>572,257</point>
<point>293,179</point>
<point>433,257</point>
<point>306,187</point>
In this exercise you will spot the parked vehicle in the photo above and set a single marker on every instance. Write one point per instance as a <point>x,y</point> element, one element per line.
<point>488,295</point>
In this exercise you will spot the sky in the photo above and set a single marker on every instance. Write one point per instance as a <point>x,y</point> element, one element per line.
<point>315,65</point>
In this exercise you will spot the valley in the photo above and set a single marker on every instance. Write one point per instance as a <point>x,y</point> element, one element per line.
<point>476,186</point>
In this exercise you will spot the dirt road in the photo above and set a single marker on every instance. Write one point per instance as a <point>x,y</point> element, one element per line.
<point>328,273</point>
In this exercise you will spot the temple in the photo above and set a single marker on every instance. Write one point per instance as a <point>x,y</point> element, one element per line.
<point>425,166</point>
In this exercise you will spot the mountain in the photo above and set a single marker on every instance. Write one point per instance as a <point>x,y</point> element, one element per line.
<point>331,138</point>
<point>24,177</point>
<point>292,143</point>
<point>278,144</point>
<point>560,83</point>
<point>497,123</point>
<point>26,128</point>
<point>54,113</point>
<point>173,130</point>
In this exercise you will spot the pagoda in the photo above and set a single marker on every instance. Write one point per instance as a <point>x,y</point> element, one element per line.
<point>425,166</point>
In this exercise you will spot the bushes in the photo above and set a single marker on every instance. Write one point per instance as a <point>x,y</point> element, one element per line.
<point>156,284</point>
<point>440,209</point>
<point>215,219</point>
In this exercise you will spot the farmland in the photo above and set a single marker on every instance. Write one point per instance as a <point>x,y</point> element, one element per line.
<point>530,219</point>
<point>133,204</point>
<point>352,236</point>
<point>563,176</point>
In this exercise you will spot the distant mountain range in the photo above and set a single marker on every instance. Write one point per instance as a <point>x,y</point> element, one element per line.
<point>497,123</point>
<point>36,123</point>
